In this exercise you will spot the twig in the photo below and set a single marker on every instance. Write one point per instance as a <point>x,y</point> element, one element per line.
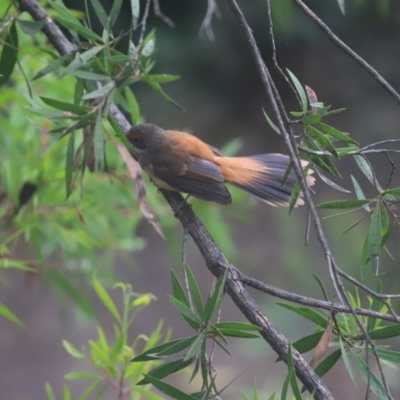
<point>343,46</point>
<point>212,9</point>
<point>158,13</point>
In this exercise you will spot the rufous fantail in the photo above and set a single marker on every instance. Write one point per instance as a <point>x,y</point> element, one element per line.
<point>181,162</point>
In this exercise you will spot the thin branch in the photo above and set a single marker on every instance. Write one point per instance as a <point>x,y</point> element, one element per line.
<point>350,153</point>
<point>212,9</point>
<point>343,46</point>
<point>158,13</point>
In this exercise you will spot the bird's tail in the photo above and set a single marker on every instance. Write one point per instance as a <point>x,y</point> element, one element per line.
<point>262,176</point>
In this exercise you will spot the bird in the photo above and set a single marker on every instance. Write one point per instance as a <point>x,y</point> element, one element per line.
<point>181,162</point>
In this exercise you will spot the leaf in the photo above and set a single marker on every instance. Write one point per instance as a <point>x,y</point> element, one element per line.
<point>102,91</point>
<point>322,345</point>
<point>312,98</point>
<point>336,134</point>
<point>87,75</point>
<point>238,333</point>
<point>177,288</point>
<point>375,384</point>
<point>165,349</point>
<point>31,27</point>
<point>308,313</point>
<point>72,350</point>
<point>322,140</point>
<point>135,8</point>
<point>271,124</point>
<point>300,90</point>
<point>52,66</point>
<point>98,143</point>
<point>381,333</point>
<point>79,28</point>
<point>49,392</point>
<point>307,343</point>
<point>395,192</point>
<point>9,54</point>
<point>164,78</point>
<point>62,11</point>
<point>311,120</point>
<point>101,14</point>
<point>322,287</point>
<point>167,389</point>
<point>295,195</point>
<point>359,192</point>
<point>70,107</point>
<point>194,290</point>
<point>8,314</point>
<point>243,326</point>
<point>388,355</point>
<point>69,164</point>
<point>341,5</point>
<point>194,349</point>
<point>133,104</point>
<point>343,204</point>
<point>347,362</point>
<point>187,312</point>
<point>166,369</point>
<point>348,229</point>
<point>375,238</point>
<point>106,299</point>
<point>156,86</point>
<point>293,379</point>
<point>328,363</point>
<point>81,375</point>
<point>115,9</point>
<point>321,161</point>
<point>330,183</point>
<point>367,170</point>
<point>214,300</point>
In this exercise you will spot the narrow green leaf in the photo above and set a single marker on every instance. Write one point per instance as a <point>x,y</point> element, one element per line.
<point>293,379</point>
<point>308,313</point>
<point>106,299</point>
<point>81,375</point>
<point>388,355</point>
<point>133,104</point>
<point>375,238</point>
<point>294,195</point>
<point>9,54</point>
<point>101,14</point>
<point>341,204</point>
<point>348,229</point>
<point>8,314</point>
<point>80,29</point>
<point>321,161</point>
<point>66,393</point>
<point>336,134</point>
<point>102,91</point>
<point>69,163</point>
<point>376,385</point>
<point>116,7</point>
<point>165,349</point>
<point>271,124</point>
<point>195,291</point>
<point>307,343</point>
<point>381,333</point>
<point>186,311</point>
<point>367,170</point>
<point>359,193</point>
<point>323,367</point>
<point>87,75</point>
<point>395,192</point>
<point>166,369</point>
<point>49,392</point>
<point>72,350</point>
<point>321,286</point>
<point>311,120</point>
<point>156,86</point>
<point>330,183</point>
<point>164,78</point>
<point>98,143</point>
<point>135,8</point>
<point>53,65</point>
<point>31,27</point>
<point>375,306</point>
<point>62,11</point>
<point>214,300</point>
<point>177,289</point>
<point>167,389</point>
<point>238,333</point>
<point>322,140</point>
<point>194,349</point>
<point>347,362</point>
<point>300,90</point>
<point>70,107</point>
<point>243,326</point>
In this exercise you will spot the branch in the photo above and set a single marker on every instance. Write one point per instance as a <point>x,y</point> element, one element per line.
<point>343,46</point>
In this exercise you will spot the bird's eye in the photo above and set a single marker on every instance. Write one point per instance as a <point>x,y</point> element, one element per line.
<point>135,140</point>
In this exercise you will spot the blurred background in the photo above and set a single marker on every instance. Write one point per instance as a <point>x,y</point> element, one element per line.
<point>223,97</point>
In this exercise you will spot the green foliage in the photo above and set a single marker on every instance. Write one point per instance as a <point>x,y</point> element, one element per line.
<point>198,314</point>
<point>109,361</point>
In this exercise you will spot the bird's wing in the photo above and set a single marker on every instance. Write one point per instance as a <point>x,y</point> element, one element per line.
<point>200,178</point>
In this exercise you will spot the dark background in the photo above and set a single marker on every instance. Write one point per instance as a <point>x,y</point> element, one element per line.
<point>223,96</point>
